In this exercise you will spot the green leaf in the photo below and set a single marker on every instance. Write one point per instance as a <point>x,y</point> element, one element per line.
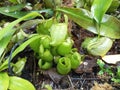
<point>44,65</point>
<point>58,33</point>
<point>64,65</point>
<point>99,8</point>
<point>110,26</point>
<point>19,66</point>
<point>7,9</point>
<point>43,28</point>
<point>17,83</point>
<point>25,44</point>
<point>113,7</point>
<point>4,81</point>
<point>16,14</point>
<point>81,16</point>
<point>65,47</point>
<point>97,46</point>
<point>15,11</point>
<point>19,49</point>
<point>7,32</point>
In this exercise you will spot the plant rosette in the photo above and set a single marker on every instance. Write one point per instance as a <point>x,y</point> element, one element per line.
<point>64,66</point>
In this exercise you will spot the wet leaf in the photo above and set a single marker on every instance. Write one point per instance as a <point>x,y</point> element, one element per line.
<point>111,59</point>
<point>17,83</point>
<point>99,8</point>
<point>4,81</point>
<point>16,11</point>
<point>13,11</point>
<point>11,8</point>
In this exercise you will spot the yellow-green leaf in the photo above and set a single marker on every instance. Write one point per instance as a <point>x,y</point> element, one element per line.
<point>58,33</point>
<point>4,81</point>
<point>17,83</point>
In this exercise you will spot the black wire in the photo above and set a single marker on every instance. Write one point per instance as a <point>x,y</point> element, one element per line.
<point>10,56</point>
<point>10,59</point>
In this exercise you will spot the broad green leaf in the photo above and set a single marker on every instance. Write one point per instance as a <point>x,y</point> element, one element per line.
<point>16,14</point>
<point>7,32</point>
<point>4,81</point>
<point>58,33</point>
<point>99,8</point>
<point>19,49</point>
<point>17,83</point>
<point>15,11</point>
<point>81,16</point>
<point>110,26</point>
<point>7,9</point>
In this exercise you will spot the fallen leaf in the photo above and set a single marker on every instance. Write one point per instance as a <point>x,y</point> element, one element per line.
<point>104,86</point>
<point>111,59</point>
